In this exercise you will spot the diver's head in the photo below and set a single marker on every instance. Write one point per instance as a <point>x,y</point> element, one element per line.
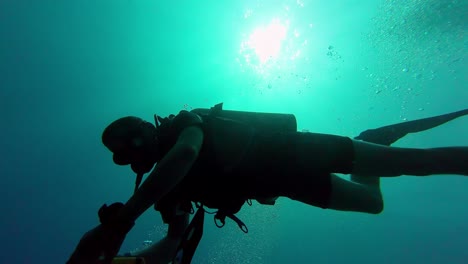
<point>133,141</point>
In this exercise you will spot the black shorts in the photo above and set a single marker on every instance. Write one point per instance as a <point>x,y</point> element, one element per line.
<point>296,165</point>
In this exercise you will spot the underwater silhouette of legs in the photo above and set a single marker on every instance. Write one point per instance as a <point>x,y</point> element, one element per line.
<point>363,193</point>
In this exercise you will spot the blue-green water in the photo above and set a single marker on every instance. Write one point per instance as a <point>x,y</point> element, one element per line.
<point>68,68</point>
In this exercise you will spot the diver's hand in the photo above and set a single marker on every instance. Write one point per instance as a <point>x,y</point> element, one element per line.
<point>98,246</point>
<point>89,249</point>
<point>102,243</point>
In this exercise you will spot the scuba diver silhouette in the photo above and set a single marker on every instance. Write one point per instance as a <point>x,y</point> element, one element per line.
<point>221,159</point>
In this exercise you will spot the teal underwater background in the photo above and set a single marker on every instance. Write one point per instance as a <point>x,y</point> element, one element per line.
<point>69,68</point>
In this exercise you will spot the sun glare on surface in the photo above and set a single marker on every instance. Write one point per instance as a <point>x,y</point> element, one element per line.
<point>266,41</point>
<point>277,47</point>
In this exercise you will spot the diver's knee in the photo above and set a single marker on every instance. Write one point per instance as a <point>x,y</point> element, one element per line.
<point>376,206</point>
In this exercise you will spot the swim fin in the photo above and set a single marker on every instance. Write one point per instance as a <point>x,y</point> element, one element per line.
<point>388,135</point>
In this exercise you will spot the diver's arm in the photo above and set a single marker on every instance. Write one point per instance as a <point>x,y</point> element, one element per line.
<point>166,175</point>
<point>164,250</point>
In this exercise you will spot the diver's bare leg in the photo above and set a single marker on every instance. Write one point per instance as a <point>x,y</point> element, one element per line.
<point>382,161</point>
<point>356,197</point>
<point>373,161</point>
<point>363,193</point>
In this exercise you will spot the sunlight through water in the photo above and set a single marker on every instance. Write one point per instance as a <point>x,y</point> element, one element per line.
<point>274,47</point>
<point>266,41</point>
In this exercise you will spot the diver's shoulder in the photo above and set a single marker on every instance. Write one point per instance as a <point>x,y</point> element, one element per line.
<point>187,116</point>
<point>186,119</point>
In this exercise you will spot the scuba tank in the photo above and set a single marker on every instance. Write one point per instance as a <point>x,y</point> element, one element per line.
<point>266,122</point>
<point>240,127</point>
<point>258,121</point>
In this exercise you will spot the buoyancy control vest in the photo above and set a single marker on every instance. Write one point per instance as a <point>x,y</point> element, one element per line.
<point>227,136</point>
